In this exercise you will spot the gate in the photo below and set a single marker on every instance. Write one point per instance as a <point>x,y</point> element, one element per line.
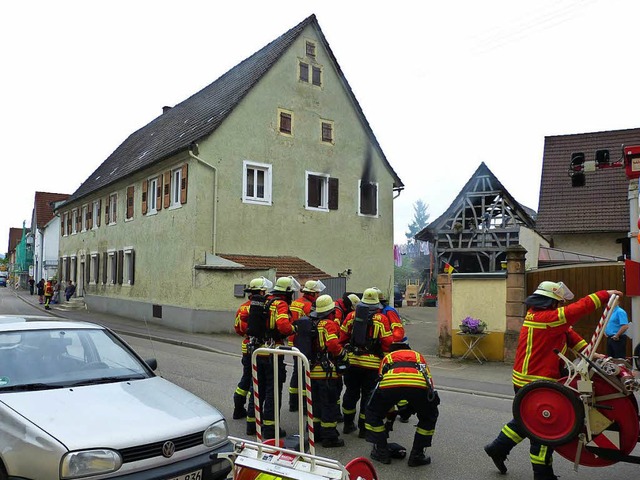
<point>336,286</point>
<point>583,280</point>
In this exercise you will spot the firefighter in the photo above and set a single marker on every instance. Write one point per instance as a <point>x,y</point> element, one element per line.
<point>368,335</point>
<point>301,307</point>
<point>344,305</point>
<point>257,286</point>
<point>327,360</point>
<point>275,322</point>
<point>547,327</point>
<point>403,375</point>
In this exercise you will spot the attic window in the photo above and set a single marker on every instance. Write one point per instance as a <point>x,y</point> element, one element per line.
<point>304,72</point>
<point>311,49</point>
<point>285,122</point>
<point>316,76</point>
<point>327,131</point>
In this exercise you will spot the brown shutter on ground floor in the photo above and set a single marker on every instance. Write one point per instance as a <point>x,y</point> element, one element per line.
<point>67,270</point>
<point>333,193</point>
<point>105,266</point>
<point>145,186</point>
<point>60,272</point>
<point>96,274</point>
<point>183,184</point>
<point>88,269</point>
<point>120,264</point>
<point>132,267</point>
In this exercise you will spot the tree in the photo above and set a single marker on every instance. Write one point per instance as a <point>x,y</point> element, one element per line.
<point>420,219</point>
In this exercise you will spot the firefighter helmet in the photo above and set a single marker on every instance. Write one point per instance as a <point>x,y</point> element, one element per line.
<point>259,284</point>
<point>558,291</point>
<point>355,299</point>
<point>324,303</point>
<point>286,284</point>
<point>370,296</point>
<point>313,286</point>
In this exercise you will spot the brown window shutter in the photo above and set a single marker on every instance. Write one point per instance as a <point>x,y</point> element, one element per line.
<point>316,76</point>
<point>99,212</point>
<point>68,223</point>
<point>167,189</point>
<point>67,270</point>
<point>115,208</point>
<point>62,225</point>
<point>106,211</point>
<point>130,202</point>
<point>90,217</point>
<point>132,267</point>
<point>183,184</point>
<point>159,194</point>
<point>145,186</point>
<point>79,221</point>
<point>105,266</point>
<point>285,122</point>
<point>119,265</point>
<point>88,268</point>
<point>60,272</point>
<point>313,191</point>
<point>333,193</point>
<point>96,274</point>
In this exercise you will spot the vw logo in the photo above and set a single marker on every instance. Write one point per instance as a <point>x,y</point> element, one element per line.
<point>168,449</point>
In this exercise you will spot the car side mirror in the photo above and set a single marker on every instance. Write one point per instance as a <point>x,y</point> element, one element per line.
<point>152,363</point>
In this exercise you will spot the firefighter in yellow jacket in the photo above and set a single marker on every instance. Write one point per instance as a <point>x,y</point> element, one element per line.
<point>403,375</point>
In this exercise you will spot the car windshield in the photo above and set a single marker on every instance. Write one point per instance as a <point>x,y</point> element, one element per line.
<point>58,358</point>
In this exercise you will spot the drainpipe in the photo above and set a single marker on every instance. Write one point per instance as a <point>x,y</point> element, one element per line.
<point>193,153</point>
<point>397,190</point>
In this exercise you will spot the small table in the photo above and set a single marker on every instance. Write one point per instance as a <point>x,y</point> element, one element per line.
<point>472,340</point>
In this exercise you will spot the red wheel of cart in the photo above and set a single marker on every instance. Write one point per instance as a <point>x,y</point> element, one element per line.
<point>548,412</point>
<point>361,468</point>
<point>622,410</point>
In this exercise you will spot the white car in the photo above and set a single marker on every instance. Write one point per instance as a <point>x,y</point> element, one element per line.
<point>77,402</point>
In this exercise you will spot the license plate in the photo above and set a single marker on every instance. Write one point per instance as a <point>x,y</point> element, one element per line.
<point>196,475</point>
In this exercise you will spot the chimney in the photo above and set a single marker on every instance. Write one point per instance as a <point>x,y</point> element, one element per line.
<point>165,109</point>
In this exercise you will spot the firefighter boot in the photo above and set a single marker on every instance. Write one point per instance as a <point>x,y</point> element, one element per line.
<point>417,458</point>
<point>348,427</point>
<point>251,428</point>
<point>238,407</point>
<point>381,454</point>
<point>543,472</point>
<point>498,456</point>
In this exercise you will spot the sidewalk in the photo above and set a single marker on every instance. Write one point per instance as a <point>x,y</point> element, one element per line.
<point>467,376</point>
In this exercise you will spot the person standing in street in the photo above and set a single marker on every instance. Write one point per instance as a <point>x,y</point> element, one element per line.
<point>546,328</point>
<point>48,294</point>
<point>32,284</point>
<point>616,333</point>
<point>40,288</point>
<point>257,286</point>
<point>70,290</point>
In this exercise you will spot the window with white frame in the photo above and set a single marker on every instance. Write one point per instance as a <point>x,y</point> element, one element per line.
<point>65,224</point>
<point>74,221</point>
<point>112,267</point>
<point>317,190</point>
<point>368,198</point>
<point>128,267</point>
<point>152,197</point>
<point>95,268</point>
<point>96,213</point>
<point>113,204</point>
<point>256,187</point>
<point>85,217</point>
<point>176,183</point>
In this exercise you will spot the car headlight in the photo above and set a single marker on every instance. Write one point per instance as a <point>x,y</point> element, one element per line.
<point>215,433</point>
<point>89,462</point>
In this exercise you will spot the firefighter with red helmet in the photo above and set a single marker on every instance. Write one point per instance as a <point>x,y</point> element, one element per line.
<point>328,361</point>
<point>302,307</point>
<point>403,375</point>
<point>270,326</point>
<point>257,286</point>
<point>368,335</point>
<point>547,327</point>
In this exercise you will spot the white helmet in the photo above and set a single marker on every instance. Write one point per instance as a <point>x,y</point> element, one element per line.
<point>313,286</point>
<point>286,284</point>
<point>558,291</point>
<point>258,284</point>
<point>324,303</point>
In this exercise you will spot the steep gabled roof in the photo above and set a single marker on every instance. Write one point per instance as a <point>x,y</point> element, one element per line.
<point>601,205</point>
<point>43,208</point>
<point>284,266</point>
<point>15,235</point>
<point>202,113</point>
<point>482,173</point>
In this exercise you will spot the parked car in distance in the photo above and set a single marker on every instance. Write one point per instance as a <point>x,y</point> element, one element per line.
<point>397,296</point>
<point>3,281</point>
<point>77,402</point>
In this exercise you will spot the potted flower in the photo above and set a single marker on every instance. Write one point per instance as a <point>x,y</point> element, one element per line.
<point>472,325</point>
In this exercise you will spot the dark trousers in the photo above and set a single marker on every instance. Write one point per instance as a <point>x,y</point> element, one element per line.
<point>266,390</point>
<point>325,393</point>
<point>418,399</point>
<point>359,384</point>
<point>244,385</point>
<point>617,348</point>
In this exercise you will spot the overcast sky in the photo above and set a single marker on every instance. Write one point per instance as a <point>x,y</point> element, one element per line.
<point>445,85</point>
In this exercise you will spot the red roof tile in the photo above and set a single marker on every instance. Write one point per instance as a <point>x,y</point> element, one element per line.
<point>298,268</point>
<point>42,206</point>
<point>601,205</point>
<point>15,235</point>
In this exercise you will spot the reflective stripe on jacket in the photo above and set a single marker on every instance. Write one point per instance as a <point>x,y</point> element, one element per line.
<point>403,375</point>
<point>379,332</point>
